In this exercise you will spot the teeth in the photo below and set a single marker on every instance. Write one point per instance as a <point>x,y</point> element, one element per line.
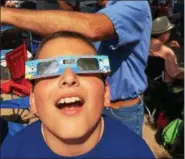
<point>73,99</point>
<point>78,99</point>
<point>62,101</point>
<point>69,100</point>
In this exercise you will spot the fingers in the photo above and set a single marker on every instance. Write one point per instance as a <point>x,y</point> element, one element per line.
<point>175,44</point>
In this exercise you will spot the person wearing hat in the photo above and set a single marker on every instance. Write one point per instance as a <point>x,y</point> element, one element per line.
<point>159,46</point>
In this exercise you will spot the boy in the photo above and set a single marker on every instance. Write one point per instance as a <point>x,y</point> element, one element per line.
<point>69,107</point>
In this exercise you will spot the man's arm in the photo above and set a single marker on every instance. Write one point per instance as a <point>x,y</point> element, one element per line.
<point>95,26</point>
<point>129,19</point>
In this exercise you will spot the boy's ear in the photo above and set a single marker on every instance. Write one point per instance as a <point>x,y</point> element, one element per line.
<point>33,106</point>
<point>107,95</point>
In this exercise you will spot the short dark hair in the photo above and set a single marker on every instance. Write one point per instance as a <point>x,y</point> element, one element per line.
<point>64,34</point>
<point>156,36</point>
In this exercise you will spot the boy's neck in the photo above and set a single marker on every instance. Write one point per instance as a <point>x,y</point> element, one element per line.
<point>59,147</point>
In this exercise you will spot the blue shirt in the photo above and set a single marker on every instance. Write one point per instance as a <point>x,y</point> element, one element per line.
<point>117,142</point>
<point>128,53</point>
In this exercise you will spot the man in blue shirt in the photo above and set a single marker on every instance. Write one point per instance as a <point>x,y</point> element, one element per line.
<point>121,30</point>
<point>70,110</point>
<point>128,57</point>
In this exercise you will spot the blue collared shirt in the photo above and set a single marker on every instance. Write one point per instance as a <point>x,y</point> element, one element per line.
<point>128,53</point>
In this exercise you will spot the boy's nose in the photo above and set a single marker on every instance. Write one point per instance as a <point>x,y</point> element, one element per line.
<point>68,79</point>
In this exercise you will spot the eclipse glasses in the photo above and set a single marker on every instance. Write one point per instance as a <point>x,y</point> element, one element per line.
<point>43,68</point>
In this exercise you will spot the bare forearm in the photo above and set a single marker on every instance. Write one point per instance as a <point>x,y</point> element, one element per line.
<point>46,22</point>
<point>42,22</point>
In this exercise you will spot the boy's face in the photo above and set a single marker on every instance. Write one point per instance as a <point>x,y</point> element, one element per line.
<point>81,97</point>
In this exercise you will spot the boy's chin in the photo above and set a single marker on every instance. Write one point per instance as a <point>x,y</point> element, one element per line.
<point>74,138</point>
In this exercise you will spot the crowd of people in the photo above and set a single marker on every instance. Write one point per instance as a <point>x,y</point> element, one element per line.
<point>108,120</point>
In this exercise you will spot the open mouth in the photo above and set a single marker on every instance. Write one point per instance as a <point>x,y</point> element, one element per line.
<point>70,103</point>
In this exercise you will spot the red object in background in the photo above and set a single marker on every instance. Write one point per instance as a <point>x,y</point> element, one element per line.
<point>162,121</point>
<point>163,11</point>
<point>16,63</point>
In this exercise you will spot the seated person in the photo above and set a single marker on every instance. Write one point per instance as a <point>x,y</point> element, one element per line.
<point>160,47</point>
<point>70,110</point>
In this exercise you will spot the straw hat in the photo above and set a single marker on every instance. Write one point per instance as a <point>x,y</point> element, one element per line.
<point>161,25</point>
